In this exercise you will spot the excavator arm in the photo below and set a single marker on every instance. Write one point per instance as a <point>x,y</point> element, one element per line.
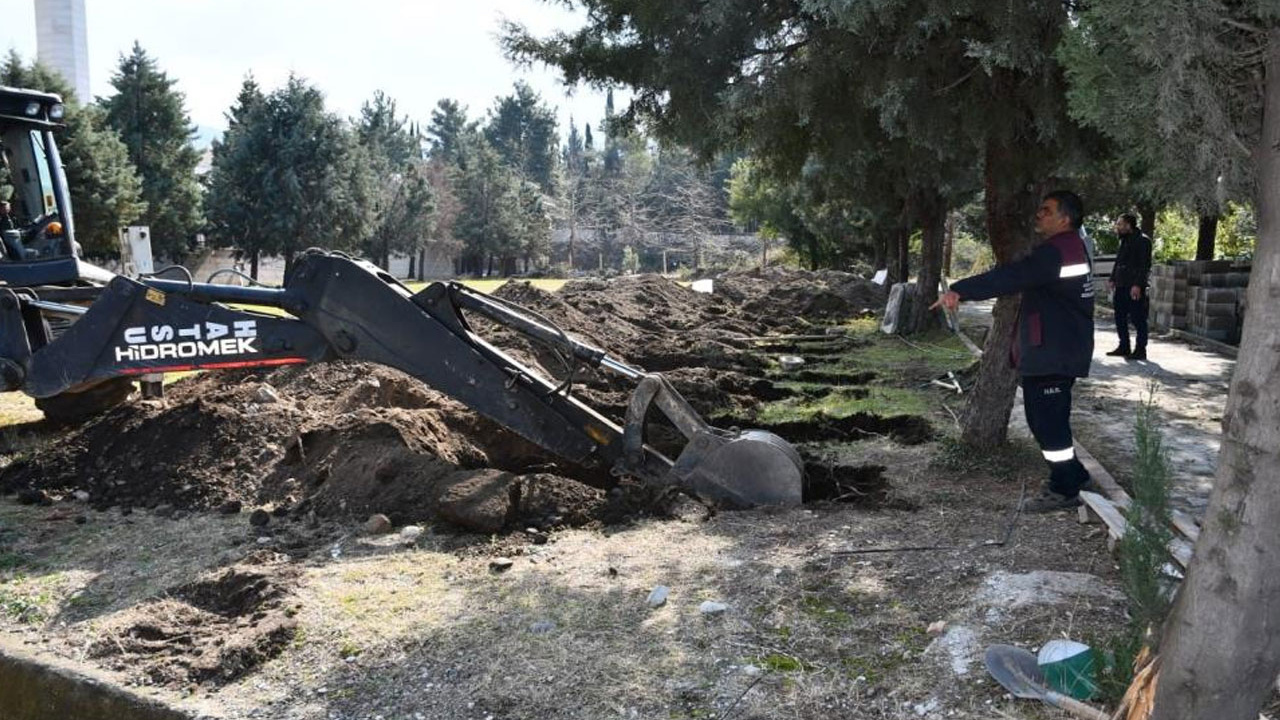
<point>346,308</point>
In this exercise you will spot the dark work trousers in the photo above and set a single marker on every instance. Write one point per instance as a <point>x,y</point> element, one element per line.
<point>1130,310</point>
<point>1047,401</point>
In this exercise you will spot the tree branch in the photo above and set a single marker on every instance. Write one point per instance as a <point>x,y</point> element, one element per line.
<point>1244,26</point>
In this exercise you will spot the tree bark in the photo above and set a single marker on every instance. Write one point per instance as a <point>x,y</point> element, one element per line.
<point>948,244</point>
<point>1206,237</point>
<point>253,264</point>
<point>1010,204</point>
<point>1148,221</point>
<point>931,209</point>
<point>881,250</point>
<point>902,253</point>
<point>1222,640</point>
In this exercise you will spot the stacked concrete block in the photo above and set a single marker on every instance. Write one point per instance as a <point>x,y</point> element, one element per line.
<point>1170,293</point>
<point>1202,297</point>
<point>1216,306</point>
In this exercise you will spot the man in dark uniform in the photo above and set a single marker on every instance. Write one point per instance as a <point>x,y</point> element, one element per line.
<point>1129,287</point>
<point>1054,344</point>
<point>7,220</point>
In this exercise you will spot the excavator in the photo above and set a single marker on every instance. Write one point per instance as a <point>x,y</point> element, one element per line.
<point>111,330</point>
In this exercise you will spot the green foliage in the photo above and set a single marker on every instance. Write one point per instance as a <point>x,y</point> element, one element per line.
<point>403,198</point>
<point>447,130</point>
<point>305,178</point>
<point>523,131</point>
<point>1144,549</point>
<point>488,197</point>
<point>1173,84</point>
<point>1176,231</point>
<point>148,112</point>
<point>106,192</point>
<point>238,211</point>
<point>1237,232</point>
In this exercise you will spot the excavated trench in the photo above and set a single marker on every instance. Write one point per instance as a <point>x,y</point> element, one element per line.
<point>349,440</point>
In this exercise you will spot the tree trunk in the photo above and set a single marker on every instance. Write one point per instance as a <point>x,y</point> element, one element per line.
<point>948,244</point>
<point>573,238</point>
<point>1222,640</point>
<point>253,264</point>
<point>1010,204</point>
<point>881,250</point>
<point>931,209</point>
<point>288,262</point>
<point>1148,222</point>
<point>413,265</point>
<point>902,253</point>
<point>1206,237</point>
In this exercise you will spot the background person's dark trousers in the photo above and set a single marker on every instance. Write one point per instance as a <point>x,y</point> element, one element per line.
<point>1130,310</point>
<point>1047,402</point>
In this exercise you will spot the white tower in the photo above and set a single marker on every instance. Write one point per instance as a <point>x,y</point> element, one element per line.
<point>62,43</point>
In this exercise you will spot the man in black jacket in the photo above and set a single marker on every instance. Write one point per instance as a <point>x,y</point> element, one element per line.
<point>1129,286</point>
<point>1054,344</point>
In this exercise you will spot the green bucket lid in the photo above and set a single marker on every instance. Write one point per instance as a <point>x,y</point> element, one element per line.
<point>1070,668</point>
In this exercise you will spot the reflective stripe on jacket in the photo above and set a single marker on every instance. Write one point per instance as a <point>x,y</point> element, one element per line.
<point>1055,320</point>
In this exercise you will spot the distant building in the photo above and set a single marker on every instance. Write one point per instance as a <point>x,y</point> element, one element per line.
<point>62,42</point>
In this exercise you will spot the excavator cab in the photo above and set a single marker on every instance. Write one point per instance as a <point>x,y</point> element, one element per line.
<point>37,237</point>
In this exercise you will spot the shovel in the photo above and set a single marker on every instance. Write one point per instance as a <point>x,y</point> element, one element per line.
<point>1019,673</point>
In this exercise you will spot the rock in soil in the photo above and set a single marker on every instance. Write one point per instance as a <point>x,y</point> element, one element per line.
<point>710,607</point>
<point>377,524</point>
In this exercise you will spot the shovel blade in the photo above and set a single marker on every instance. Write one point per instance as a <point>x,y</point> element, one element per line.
<point>750,469</point>
<point>1017,671</point>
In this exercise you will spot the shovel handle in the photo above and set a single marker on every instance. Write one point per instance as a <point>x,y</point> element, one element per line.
<point>1073,706</point>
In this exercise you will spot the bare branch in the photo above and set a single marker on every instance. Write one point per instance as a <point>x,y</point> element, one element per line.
<point>1244,26</point>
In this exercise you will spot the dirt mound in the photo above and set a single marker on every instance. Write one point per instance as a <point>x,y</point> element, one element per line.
<point>814,296</point>
<point>351,439</point>
<point>212,630</point>
<point>340,439</point>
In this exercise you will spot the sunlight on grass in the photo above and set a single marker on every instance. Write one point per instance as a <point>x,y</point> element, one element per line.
<point>886,401</point>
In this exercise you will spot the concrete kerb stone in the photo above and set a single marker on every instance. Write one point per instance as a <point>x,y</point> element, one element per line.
<point>41,688</point>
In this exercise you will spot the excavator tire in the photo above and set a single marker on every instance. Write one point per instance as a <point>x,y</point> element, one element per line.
<point>74,407</point>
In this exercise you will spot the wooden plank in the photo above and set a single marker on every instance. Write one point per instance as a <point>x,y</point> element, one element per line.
<point>1181,551</point>
<point>1186,525</point>
<point>1104,479</point>
<point>1179,548</point>
<point>1181,521</point>
<point>1106,510</point>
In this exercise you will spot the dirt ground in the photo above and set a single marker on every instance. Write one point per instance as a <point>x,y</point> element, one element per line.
<point>213,549</point>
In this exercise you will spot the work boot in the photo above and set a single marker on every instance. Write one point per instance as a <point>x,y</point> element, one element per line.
<point>1121,351</point>
<point>1139,354</point>
<point>1050,501</point>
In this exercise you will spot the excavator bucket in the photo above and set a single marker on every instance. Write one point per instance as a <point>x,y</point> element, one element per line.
<point>746,469</point>
<point>731,468</point>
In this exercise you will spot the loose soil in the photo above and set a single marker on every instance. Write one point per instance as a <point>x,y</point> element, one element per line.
<point>164,578</point>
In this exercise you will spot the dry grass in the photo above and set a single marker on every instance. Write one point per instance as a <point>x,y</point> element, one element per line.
<point>428,629</point>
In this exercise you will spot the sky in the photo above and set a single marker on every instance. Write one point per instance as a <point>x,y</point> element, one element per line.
<point>416,52</point>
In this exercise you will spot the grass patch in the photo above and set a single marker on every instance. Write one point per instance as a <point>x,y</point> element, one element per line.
<point>932,353</point>
<point>780,662</point>
<point>1003,462</point>
<point>825,611</point>
<point>879,400</point>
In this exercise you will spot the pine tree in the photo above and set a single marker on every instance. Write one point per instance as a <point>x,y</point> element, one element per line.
<point>307,165</point>
<point>523,131</point>
<point>403,204</point>
<point>238,209</point>
<point>148,112</point>
<point>448,128</point>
